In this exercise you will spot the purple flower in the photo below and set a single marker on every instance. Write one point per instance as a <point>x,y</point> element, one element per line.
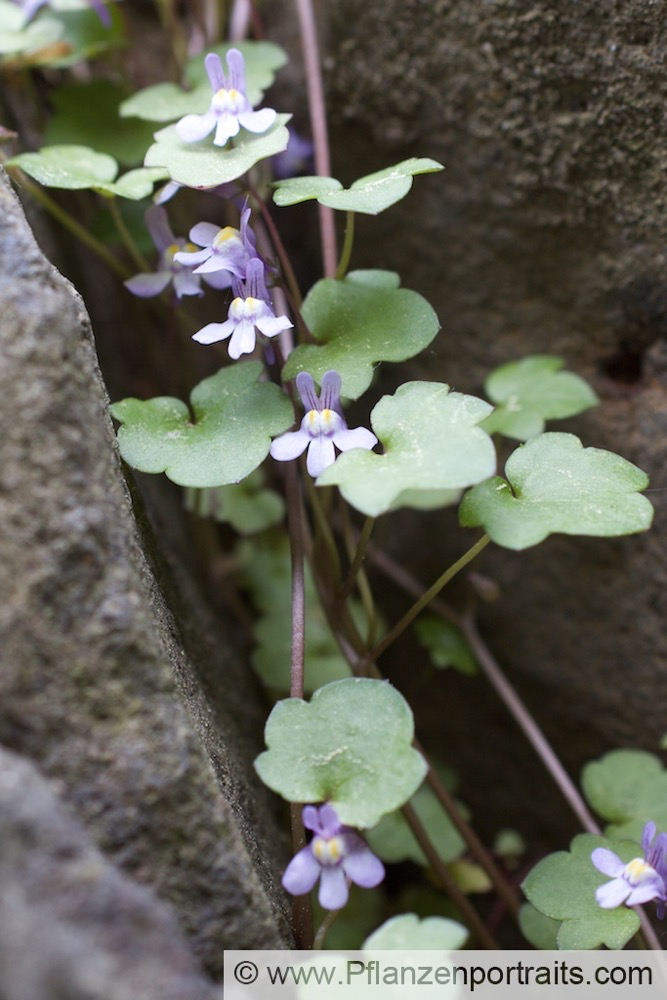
<point>335,854</point>
<point>250,310</point>
<point>638,881</point>
<point>169,269</point>
<point>226,249</point>
<point>30,8</point>
<point>323,428</point>
<point>229,109</point>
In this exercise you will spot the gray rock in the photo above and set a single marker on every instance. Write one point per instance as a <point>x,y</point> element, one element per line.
<point>98,685</point>
<point>73,927</point>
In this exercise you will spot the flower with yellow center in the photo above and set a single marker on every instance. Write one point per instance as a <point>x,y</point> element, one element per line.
<point>336,856</point>
<point>229,110</point>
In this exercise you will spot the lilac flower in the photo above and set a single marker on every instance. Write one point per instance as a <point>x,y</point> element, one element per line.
<point>639,881</point>
<point>225,249</point>
<point>30,8</point>
<point>169,269</point>
<point>323,428</point>
<point>229,109</point>
<point>250,310</point>
<point>335,854</point>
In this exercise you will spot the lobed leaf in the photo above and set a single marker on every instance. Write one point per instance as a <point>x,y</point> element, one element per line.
<point>629,788</point>
<point>357,322</point>
<point>234,420</point>
<point>369,195</point>
<point>350,746</point>
<point>562,886</point>
<point>431,443</point>
<point>203,165</point>
<point>555,485</point>
<point>70,167</point>
<point>531,391</point>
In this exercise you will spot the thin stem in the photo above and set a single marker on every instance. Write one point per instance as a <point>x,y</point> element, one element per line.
<point>295,516</point>
<point>348,243</point>
<point>318,123</point>
<point>427,597</point>
<point>475,846</point>
<point>527,723</point>
<point>453,891</point>
<point>66,220</point>
<point>302,911</point>
<point>359,555</point>
<point>324,929</point>
<point>126,237</point>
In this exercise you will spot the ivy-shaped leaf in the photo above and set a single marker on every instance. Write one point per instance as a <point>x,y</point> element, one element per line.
<point>350,746</point>
<point>445,644</point>
<point>562,886</point>
<point>408,933</point>
<point>556,485</point>
<point>628,788</point>
<point>369,195</point>
<point>203,165</point>
<point>531,391</point>
<point>431,443</point>
<point>393,840</point>
<point>165,102</point>
<point>248,506</point>
<point>357,322</point>
<point>87,114</point>
<point>234,420</point>
<point>70,167</point>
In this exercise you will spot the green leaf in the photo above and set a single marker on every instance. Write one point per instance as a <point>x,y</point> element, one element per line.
<point>531,391</point>
<point>70,167</point>
<point>445,644</point>
<point>248,506</point>
<point>562,886</point>
<point>431,443</point>
<point>234,420</point>
<point>203,165</point>
<point>262,61</point>
<point>538,929</point>
<point>557,485</point>
<point>17,38</point>
<point>135,184</point>
<point>166,102</point>
<point>87,114</point>
<point>357,322</point>
<point>369,195</point>
<point>408,933</point>
<point>84,35</point>
<point>350,746</point>
<point>393,840</point>
<point>629,788</point>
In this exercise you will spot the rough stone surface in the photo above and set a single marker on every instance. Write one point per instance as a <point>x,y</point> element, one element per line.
<point>98,685</point>
<point>73,927</point>
<point>546,233</point>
